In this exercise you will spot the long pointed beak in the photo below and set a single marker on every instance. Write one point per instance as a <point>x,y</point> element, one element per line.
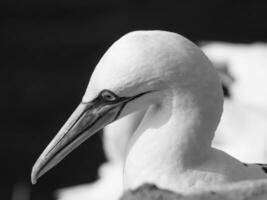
<point>86,120</point>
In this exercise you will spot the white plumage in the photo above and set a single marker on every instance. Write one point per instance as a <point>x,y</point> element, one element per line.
<point>169,78</point>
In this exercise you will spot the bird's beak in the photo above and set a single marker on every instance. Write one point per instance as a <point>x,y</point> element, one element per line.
<point>86,120</point>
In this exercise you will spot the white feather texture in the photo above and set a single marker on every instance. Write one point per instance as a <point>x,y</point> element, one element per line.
<point>171,146</point>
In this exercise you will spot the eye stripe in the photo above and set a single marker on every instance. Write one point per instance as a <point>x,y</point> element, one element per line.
<point>118,99</point>
<point>118,114</point>
<point>128,100</point>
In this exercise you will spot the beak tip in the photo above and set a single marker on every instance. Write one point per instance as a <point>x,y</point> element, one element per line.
<point>34,175</point>
<point>33,179</point>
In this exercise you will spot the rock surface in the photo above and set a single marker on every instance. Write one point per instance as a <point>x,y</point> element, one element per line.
<point>245,190</point>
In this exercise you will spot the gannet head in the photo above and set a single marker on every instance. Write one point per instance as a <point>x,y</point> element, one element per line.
<point>138,70</point>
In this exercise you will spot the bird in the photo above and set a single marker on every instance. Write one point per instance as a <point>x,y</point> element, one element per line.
<point>237,129</point>
<point>173,81</point>
<point>242,125</point>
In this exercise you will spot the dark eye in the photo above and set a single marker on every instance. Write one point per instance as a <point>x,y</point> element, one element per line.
<point>108,96</point>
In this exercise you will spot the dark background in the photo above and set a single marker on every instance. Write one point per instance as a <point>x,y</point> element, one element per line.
<point>49,49</point>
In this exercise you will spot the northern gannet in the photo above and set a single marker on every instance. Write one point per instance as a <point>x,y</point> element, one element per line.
<point>171,79</point>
